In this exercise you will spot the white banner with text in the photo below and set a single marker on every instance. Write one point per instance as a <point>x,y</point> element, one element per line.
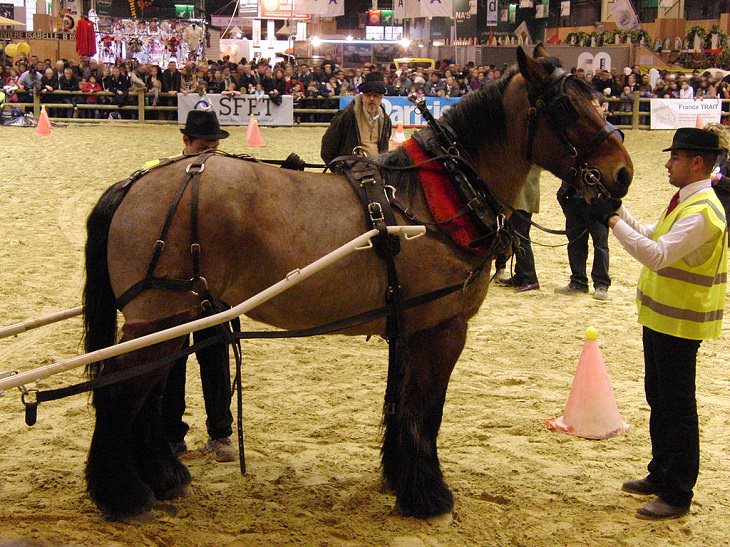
<point>238,109</point>
<point>676,113</point>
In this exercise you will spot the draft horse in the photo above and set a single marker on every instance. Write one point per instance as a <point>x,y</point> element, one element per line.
<point>256,223</point>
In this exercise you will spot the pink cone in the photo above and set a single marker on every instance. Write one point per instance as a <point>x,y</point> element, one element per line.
<point>591,410</point>
<point>253,134</point>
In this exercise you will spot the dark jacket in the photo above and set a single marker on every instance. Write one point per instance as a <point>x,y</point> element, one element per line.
<point>342,135</point>
<point>171,81</point>
<point>71,84</point>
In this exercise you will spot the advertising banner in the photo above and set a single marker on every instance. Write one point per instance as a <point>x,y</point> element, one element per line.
<point>401,110</point>
<point>237,109</point>
<point>676,113</point>
<point>492,9</point>
<point>437,8</point>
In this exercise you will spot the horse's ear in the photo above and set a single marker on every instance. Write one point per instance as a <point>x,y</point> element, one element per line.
<point>530,69</point>
<point>539,51</point>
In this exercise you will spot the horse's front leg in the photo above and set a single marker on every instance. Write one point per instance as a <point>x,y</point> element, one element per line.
<point>410,462</point>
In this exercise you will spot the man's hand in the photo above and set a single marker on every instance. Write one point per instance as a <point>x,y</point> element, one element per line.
<point>600,209</point>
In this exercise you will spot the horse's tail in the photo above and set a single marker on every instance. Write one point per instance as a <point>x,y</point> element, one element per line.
<point>100,312</point>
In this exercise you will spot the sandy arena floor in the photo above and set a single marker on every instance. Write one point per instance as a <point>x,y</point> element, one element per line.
<point>312,407</point>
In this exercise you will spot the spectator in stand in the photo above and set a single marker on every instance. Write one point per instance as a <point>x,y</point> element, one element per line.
<point>434,84</point>
<point>68,82</point>
<point>660,88</point>
<point>686,92</point>
<point>246,78</point>
<point>673,90</point>
<point>452,88</point>
<point>60,65</point>
<point>232,90</point>
<point>276,87</point>
<point>49,84</point>
<point>29,80</point>
<point>706,89</point>
<point>171,83</point>
<point>119,85</point>
<point>217,85</point>
<point>188,81</point>
<point>400,87</point>
<point>90,86</point>
<point>695,80</point>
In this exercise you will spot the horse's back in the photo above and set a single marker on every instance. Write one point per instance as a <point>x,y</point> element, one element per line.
<point>256,224</point>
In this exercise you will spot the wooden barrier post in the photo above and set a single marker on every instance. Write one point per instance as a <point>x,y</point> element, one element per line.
<point>140,104</point>
<point>36,103</point>
<point>635,111</point>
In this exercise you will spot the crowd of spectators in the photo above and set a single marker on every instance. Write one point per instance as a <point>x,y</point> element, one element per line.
<point>119,84</point>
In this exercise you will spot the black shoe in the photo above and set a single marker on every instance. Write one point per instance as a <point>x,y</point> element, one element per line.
<point>658,509</point>
<point>510,282</point>
<point>643,487</point>
<point>528,287</point>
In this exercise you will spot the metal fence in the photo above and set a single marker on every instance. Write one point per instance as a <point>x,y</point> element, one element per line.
<point>138,106</point>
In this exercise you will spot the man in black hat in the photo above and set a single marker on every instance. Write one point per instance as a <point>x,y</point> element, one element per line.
<point>680,297</point>
<point>202,133</point>
<point>363,123</point>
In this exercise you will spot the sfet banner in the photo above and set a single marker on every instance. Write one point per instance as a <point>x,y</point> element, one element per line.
<point>238,109</point>
<point>401,110</point>
<point>676,113</point>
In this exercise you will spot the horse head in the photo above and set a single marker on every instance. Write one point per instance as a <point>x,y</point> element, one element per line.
<point>565,132</point>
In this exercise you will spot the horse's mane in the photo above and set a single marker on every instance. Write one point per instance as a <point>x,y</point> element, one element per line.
<point>478,117</point>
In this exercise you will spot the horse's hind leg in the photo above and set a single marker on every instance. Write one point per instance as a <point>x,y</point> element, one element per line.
<point>112,475</point>
<point>158,467</point>
<point>410,462</point>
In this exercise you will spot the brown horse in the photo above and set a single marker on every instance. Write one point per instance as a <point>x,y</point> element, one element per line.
<point>257,223</point>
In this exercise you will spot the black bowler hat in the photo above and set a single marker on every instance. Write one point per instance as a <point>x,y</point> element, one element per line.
<point>373,83</point>
<point>203,124</point>
<point>691,138</point>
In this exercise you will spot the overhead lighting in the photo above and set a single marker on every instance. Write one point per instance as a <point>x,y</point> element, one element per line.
<point>316,41</point>
<point>405,42</point>
<point>349,38</point>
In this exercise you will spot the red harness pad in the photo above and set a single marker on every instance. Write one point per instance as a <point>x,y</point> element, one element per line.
<point>442,199</point>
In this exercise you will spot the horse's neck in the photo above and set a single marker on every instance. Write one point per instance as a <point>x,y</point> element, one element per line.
<point>504,170</point>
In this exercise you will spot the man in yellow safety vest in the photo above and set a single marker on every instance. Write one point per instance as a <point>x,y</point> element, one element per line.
<point>681,297</point>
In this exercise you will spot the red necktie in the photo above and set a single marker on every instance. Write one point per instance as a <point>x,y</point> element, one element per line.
<point>673,203</point>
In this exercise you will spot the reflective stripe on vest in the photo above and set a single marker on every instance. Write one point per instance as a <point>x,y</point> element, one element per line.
<point>682,300</point>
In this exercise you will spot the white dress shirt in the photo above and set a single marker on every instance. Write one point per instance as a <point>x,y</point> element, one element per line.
<point>691,238</point>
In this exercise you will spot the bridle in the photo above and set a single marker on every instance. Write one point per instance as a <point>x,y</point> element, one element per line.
<point>549,99</point>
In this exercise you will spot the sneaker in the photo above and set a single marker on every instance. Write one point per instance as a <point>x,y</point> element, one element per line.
<point>601,293</point>
<point>222,449</point>
<point>179,447</point>
<point>571,289</point>
<point>502,275</point>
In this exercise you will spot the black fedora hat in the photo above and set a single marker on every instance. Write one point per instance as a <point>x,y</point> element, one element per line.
<point>203,124</point>
<point>373,83</point>
<point>691,138</point>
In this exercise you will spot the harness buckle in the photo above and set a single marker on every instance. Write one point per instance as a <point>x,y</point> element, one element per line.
<point>500,221</point>
<point>195,249</point>
<point>194,168</point>
<point>375,210</point>
<point>198,285</point>
<point>368,181</point>
<point>159,245</point>
<point>360,152</point>
<point>475,203</point>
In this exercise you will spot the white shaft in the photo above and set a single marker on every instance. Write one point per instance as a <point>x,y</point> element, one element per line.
<point>17,328</point>
<point>292,278</point>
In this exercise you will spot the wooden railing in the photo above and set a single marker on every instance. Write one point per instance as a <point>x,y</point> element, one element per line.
<point>307,111</point>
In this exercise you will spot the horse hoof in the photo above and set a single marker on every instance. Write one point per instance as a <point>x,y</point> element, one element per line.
<point>118,503</point>
<point>180,491</point>
<point>437,504</point>
<point>442,520</point>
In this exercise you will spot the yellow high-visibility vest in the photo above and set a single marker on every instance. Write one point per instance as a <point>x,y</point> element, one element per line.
<point>682,300</point>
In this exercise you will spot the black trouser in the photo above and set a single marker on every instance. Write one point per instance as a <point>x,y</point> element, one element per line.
<point>575,209</point>
<point>525,273</point>
<point>215,376</point>
<point>669,382</point>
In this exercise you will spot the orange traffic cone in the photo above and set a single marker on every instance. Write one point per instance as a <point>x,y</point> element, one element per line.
<point>253,134</point>
<point>699,123</point>
<point>399,137</point>
<point>591,410</point>
<point>44,124</point>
